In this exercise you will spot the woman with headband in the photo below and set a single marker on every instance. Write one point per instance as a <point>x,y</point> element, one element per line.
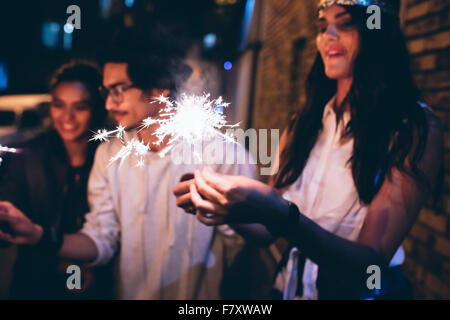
<point>356,166</point>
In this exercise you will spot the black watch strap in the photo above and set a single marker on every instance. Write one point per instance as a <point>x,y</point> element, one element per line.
<point>292,221</point>
<point>288,227</point>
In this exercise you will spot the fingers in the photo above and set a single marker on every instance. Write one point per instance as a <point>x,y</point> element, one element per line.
<point>209,219</point>
<point>185,203</point>
<point>5,237</point>
<point>215,180</point>
<point>207,191</point>
<point>6,216</point>
<point>182,187</point>
<point>205,205</point>
<point>20,240</point>
<point>190,209</point>
<point>187,176</point>
<point>184,200</point>
<point>6,206</point>
<point>182,193</point>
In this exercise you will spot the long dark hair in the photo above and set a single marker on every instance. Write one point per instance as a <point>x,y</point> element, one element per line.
<point>387,123</point>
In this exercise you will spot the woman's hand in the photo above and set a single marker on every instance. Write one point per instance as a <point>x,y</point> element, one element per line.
<point>21,229</point>
<point>183,194</point>
<point>220,199</point>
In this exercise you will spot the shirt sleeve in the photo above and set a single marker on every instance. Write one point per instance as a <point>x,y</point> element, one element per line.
<point>102,224</point>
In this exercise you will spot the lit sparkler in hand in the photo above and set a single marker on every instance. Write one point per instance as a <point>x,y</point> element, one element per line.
<point>6,149</point>
<point>191,120</point>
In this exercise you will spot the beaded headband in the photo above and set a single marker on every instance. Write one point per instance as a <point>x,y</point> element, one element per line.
<point>384,6</point>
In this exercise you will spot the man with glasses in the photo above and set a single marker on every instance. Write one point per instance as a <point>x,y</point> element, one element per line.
<point>164,253</point>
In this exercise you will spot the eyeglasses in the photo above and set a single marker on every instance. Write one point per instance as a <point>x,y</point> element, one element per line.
<point>115,92</point>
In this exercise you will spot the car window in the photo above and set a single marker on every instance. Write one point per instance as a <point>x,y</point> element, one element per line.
<point>7,118</point>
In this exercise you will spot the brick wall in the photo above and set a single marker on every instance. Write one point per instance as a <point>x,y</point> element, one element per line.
<point>287,52</point>
<point>427,30</point>
<point>284,60</point>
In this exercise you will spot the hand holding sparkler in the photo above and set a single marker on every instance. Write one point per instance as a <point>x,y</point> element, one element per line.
<point>220,198</point>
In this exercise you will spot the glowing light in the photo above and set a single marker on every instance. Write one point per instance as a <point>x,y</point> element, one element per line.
<point>246,25</point>
<point>105,8</point>
<point>3,76</point>
<point>68,28</point>
<point>189,120</point>
<point>209,40</point>
<point>227,65</point>
<point>104,135</point>
<point>67,41</point>
<point>135,147</point>
<point>6,149</point>
<point>50,34</point>
<point>129,3</point>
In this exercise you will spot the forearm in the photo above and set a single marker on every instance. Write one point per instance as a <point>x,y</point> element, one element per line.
<point>347,259</point>
<point>78,246</point>
<point>334,252</point>
<point>255,233</point>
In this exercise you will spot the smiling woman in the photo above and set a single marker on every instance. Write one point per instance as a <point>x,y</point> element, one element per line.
<point>70,111</point>
<point>76,108</point>
<point>48,182</point>
<point>356,166</point>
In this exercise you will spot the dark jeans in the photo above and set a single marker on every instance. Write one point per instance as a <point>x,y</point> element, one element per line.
<point>394,286</point>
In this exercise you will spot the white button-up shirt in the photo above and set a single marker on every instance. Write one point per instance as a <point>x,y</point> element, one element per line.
<point>164,252</point>
<point>326,193</point>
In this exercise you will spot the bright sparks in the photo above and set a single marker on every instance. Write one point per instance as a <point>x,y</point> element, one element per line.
<point>104,135</point>
<point>190,120</point>
<point>138,148</point>
<point>6,149</point>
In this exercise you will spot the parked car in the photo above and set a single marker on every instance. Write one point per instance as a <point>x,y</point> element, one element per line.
<point>22,117</point>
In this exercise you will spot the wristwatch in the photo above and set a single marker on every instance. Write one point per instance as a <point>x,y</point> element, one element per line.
<point>292,220</point>
<point>289,226</point>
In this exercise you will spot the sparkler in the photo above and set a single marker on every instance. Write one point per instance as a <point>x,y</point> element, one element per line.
<point>6,149</point>
<point>104,135</point>
<point>190,120</point>
<point>140,149</point>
